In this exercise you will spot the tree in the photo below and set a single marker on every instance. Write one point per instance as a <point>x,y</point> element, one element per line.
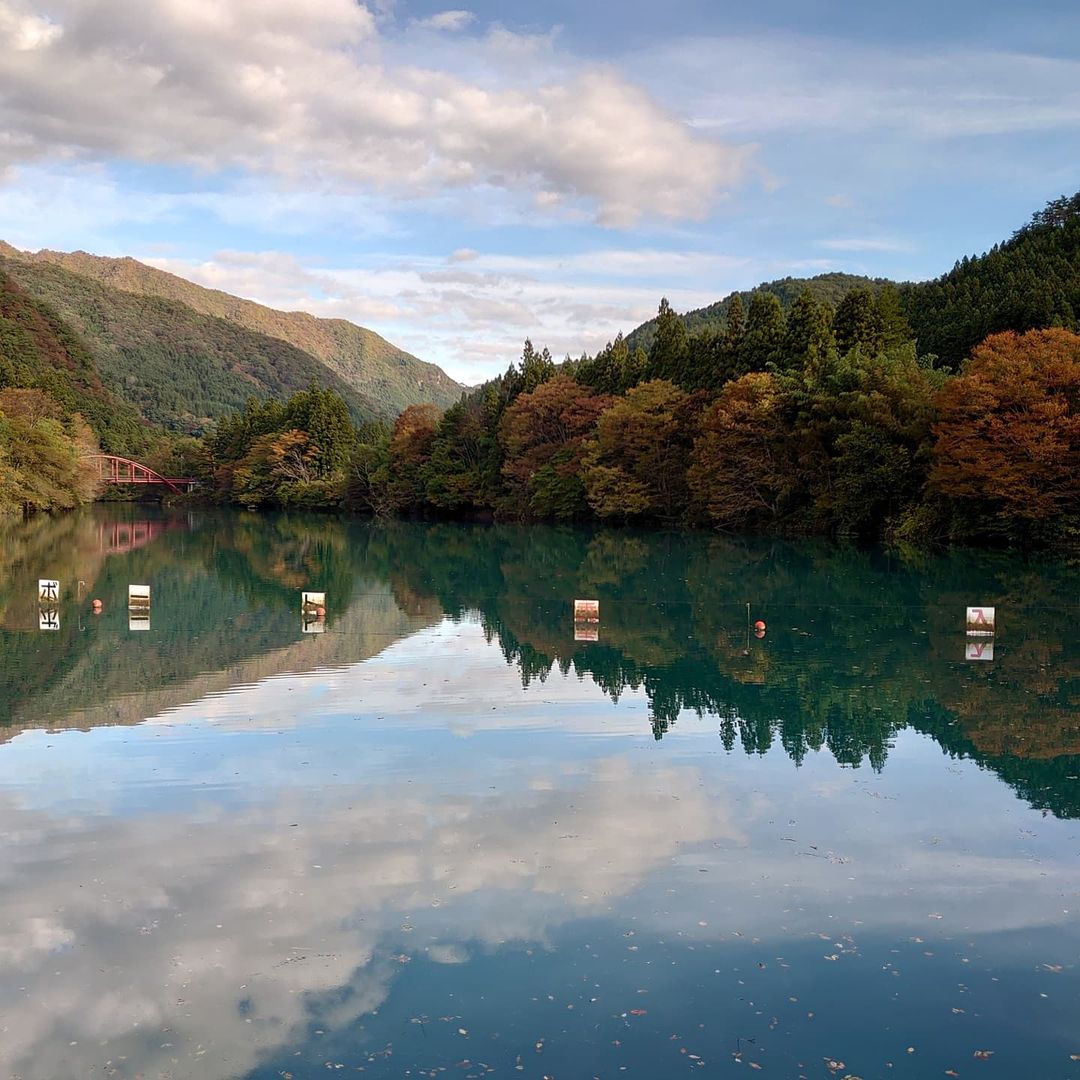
<point>1007,450</point>
<point>635,461</point>
<point>542,435</point>
<point>409,452</point>
<point>763,341</point>
<point>667,357</point>
<point>857,322</point>
<point>459,476</point>
<point>809,335</point>
<point>742,469</point>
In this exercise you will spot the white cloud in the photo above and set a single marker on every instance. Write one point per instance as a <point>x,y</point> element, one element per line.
<point>451,21</point>
<point>308,96</point>
<point>804,85</point>
<point>471,311</point>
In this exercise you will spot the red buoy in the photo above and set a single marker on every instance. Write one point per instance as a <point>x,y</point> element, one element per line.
<point>760,624</point>
<point>96,606</point>
<point>321,612</point>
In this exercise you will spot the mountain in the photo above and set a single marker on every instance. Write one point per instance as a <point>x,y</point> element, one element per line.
<point>1030,282</point>
<point>37,351</point>
<point>185,355</point>
<point>825,288</point>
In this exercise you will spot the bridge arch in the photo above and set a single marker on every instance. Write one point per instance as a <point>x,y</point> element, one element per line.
<point>114,469</point>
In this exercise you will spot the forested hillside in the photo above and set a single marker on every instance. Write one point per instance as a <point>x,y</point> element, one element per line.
<point>38,351</point>
<point>1030,281</point>
<point>824,288</point>
<point>811,419</point>
<point>54,409</point>
<point>377,378</point>
<point>180,369</point>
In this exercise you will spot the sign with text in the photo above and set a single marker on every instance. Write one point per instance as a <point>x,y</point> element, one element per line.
<point>48,619</point>
<point>980,620</point>
<point>312,600</point>
<point>48,591</point>
<point>138,596</point>
<point>586,611</point>
<point>586,631</point>
<point>979,650</point>
<point>139,620</point>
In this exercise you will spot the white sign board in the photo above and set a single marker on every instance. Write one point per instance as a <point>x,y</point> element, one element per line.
<point>313,625</point>
<point>48,619</point>
<point>586,611</point>
<point>312,600</point>
<point>980,620</point>
<point>48,591</point>
<point>586,632</point>
<point>979,650</point>
<point>138,596</point>
<point>138,621</point>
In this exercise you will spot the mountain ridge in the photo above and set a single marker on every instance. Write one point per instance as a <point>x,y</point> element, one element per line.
<point>383,378</point>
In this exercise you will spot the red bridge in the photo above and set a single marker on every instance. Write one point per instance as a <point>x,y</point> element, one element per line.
<point>120,470</point>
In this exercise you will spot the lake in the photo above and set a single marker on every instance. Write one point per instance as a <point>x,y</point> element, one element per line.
<point>443,831</point>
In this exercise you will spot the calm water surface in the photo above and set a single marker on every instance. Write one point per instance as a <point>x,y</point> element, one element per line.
<point>436,835</point>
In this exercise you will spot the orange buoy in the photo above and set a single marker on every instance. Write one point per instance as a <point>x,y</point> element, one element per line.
<point>759,633</point>
<point>760,624</point>
<point>96,606</point>
<point>321,612</point>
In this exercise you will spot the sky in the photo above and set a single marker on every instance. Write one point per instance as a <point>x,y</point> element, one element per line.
<point>459,179</point>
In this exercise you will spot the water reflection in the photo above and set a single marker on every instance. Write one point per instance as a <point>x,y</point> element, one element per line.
<point>861,645</point>
<point>449,834</point>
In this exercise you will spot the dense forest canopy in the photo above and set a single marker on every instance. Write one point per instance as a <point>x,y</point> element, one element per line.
<point>943,411</point>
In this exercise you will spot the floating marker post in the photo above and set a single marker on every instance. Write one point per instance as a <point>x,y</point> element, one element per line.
<point>980,621</point>
<point>313,612</point>
<point>586,620</point>
<point>138,607</point>
<point>587,611</point>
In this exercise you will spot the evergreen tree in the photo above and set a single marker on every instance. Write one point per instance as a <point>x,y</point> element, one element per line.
<point>857,322</point>
<point>667,357</point>
<point>763,342</point>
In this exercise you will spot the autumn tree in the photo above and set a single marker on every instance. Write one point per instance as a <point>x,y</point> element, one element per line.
<point>1007,450</point>
<point>635,461</point>
<point>742,467</point>
<point>542,435</point>
<point>409,452</point>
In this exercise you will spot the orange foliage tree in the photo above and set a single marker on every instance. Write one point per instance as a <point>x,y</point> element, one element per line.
<point>542,434</point>
<point>742,471</point>
<point>409,451</point>
<point>635,462</point>
<point>1007,451</point>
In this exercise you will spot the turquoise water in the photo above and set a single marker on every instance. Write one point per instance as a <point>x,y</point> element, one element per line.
<point>433,834</point>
